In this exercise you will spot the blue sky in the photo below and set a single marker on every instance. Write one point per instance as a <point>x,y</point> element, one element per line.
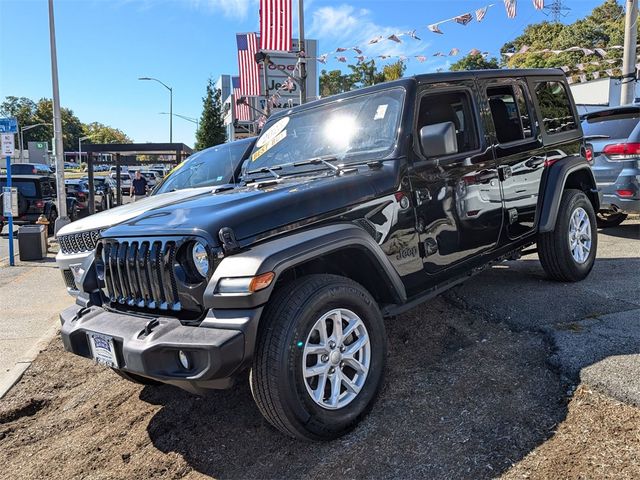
<point>105,45</point>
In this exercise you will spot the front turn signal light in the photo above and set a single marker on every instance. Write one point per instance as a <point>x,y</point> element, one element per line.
<point>260,282</point>
<point>244,285</point>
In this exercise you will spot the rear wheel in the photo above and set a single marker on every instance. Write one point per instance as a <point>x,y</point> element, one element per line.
<point>608,218</point>
<point>568,252</point>
<point>319,357</point>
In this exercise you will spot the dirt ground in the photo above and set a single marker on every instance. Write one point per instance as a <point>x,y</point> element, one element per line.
<point>479,402</point>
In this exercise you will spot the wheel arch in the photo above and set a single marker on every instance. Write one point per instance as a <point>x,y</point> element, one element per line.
<point>343,249</point>
<point>573,173</point>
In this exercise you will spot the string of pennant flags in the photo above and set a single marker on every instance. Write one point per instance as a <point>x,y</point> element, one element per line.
<point>464,19</point>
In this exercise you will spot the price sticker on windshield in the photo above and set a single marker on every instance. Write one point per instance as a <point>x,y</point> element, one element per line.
<point>266,146</point>
<point>272,132</point>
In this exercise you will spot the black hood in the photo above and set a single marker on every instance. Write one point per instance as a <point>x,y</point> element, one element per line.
<point>257,209</point>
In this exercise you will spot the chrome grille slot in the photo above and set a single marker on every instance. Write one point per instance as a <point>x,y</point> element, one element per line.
<point>140,273</point>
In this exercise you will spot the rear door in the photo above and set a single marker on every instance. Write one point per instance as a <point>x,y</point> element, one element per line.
<point>519,151</point>
<point>457,197</point>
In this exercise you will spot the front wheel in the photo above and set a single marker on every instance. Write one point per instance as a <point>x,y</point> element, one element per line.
<point>319,357</point>
<point>568,252</point>
<point>608,219</point>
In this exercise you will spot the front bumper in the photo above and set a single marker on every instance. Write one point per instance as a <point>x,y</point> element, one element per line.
<point>217,348</point>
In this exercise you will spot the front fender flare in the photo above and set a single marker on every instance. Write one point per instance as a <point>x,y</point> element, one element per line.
<point>556,179</point>
<point>282,253</point>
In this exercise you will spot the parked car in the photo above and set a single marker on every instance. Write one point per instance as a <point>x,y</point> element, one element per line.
<point>151,177</point>
<point>30,169</point>
<point>36,197</point>
<point>125,182</point>
<point>106,192</point>
<point>346,214</point>
<point>79,189</point>
<point>613,137</point>
<point>214,169</point>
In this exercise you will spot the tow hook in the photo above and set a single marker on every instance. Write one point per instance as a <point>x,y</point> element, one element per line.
<point>148,328</point>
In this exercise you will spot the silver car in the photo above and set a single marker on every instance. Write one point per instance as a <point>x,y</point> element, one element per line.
<point>202,173</point>
<point>612,136</point>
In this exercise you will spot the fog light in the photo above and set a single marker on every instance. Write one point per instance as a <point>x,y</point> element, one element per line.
<point>184,360</point>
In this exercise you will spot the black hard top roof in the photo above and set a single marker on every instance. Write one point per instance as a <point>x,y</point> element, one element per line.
<point>434,78</point>
<point>27,177</point>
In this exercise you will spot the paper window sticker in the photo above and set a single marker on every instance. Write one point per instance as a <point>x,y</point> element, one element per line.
<point>381,112</point>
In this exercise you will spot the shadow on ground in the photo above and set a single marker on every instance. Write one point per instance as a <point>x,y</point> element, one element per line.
<point>463,398</point>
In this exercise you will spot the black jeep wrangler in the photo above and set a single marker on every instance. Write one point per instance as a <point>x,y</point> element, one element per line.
<point>351,209</point>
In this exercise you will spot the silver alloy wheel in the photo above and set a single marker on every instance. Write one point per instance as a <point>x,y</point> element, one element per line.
<point>580,235</point>
<point>336,359</point>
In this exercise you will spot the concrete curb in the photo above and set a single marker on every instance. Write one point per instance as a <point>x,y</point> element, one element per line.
<point>17,371</point>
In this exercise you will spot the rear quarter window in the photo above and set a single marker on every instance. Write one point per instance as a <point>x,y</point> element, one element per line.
<point>555,107</point>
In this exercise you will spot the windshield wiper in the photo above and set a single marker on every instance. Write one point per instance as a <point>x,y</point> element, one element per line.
<point>270,170</point>
<point>324,161</point>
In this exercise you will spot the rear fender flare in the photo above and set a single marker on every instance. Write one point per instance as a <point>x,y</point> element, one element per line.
<point>283,253</point>
<point>557,177</point>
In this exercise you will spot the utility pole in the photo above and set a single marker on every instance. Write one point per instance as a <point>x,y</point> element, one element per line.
<point>302,55</point>
<point>556,10</point>
<point>58,149</point>
<point>628,90</point>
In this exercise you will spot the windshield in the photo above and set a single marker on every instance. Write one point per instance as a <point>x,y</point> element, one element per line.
<point>207,168</point>
<point>354,129</point>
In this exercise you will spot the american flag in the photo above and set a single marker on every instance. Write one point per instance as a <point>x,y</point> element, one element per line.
<point>481,13</point>
<point>242,112</point>
<point>247,66</point>
<point>510,7</point>
<point>275,25</point>
<point>538,4</point>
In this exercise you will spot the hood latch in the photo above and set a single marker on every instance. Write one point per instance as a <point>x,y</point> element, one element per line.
<point>228,239</point>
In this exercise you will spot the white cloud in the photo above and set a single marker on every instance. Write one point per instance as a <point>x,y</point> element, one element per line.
<point>347,26</point>
<point>229,8</point>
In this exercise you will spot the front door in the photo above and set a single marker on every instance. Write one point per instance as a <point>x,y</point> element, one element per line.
<point>457,196</point>
<point>519,151</point>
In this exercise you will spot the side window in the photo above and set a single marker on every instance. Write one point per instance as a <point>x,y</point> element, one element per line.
<point>452,107</point>
<point>555,107</point>
<point>510,113</point>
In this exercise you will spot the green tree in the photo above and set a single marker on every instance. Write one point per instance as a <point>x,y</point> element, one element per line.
<point>603,28</point>
<point>474,62</point>
<point>365,74</point>
<point>211,130</point>
<point>394,71</point>
<point>334,82</point>
<point>101,133</point>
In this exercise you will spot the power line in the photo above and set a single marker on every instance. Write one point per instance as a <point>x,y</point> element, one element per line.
<point>556,9</point>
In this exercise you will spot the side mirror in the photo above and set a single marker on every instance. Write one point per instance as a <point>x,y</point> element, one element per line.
<point>439,139</point>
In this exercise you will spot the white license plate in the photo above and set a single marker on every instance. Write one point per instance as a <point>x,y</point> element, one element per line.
<point>103,350</point>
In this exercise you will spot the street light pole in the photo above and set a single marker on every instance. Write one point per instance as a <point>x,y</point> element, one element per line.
<point>80,140</point>
<point>184,117</point>
<point>57,128</point>
<point>170,103</point>
<point>22,130</point>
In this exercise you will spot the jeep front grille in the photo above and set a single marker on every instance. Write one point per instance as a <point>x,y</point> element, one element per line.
<point>140,273</point>
<point>79,242</point>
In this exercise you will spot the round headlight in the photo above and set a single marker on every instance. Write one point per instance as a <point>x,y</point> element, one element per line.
<point>200,259</point>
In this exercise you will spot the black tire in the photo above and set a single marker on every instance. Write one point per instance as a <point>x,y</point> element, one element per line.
<point>608,219</point>
<point>276,378</point>
<point>554,247</point>
<point>132,377</point>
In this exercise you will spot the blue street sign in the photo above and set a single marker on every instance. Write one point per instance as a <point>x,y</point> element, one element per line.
<point>9,125</point>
